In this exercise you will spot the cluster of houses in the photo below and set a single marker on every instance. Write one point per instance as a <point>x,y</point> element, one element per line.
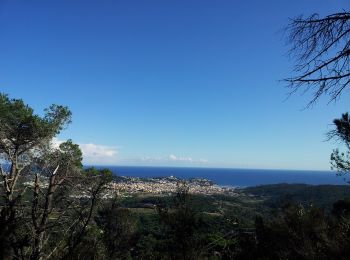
<point>166,185</point>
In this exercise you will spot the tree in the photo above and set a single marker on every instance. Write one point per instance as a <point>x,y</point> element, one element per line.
<point>118,227</point>
<point>24,136</point>
<point>297,233</point>
<point>182,222</point>
<point>340,161</point>
<point>79,210</point>
<point>48,199</point>
<point>321,46</point>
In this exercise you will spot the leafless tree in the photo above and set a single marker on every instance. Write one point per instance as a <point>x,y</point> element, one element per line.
<point>321,47</point>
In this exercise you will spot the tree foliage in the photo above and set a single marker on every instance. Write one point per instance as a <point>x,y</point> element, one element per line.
<point>340,161</point>
<point>118,228</point>
<point>181,222</point>
<point>45,189</point>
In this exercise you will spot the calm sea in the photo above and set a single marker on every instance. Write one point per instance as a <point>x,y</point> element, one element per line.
<point>233,177</point>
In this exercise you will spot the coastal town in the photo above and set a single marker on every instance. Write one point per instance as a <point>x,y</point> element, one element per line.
<point>168,185</point>
<point>126,186</point>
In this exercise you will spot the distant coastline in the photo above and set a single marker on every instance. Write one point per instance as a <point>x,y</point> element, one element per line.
<point>225,177</point>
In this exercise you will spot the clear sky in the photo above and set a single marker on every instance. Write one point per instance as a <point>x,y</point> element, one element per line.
<point>176,83</point>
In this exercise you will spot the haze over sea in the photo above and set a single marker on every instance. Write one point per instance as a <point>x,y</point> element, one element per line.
<point>233,177</point>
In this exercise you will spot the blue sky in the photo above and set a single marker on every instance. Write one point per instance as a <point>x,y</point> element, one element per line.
<point>175,83</point>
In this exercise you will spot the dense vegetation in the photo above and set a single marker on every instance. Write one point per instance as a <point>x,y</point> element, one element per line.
<point>184,226</point>
<point>322,196</point>
<point>247,226</point>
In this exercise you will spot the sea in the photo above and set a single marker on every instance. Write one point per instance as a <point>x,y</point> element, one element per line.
<point>233,177</point>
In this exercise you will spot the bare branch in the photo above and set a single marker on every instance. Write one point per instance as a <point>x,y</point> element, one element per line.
<point>321,47</point>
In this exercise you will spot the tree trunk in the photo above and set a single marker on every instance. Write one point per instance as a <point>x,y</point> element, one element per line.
<point>40,227</point>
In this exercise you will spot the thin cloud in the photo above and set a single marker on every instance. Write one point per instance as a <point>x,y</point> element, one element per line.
<point>179,159</point>
<point>174,159</point>
<point>92,150</point>
<point>94,154</point>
